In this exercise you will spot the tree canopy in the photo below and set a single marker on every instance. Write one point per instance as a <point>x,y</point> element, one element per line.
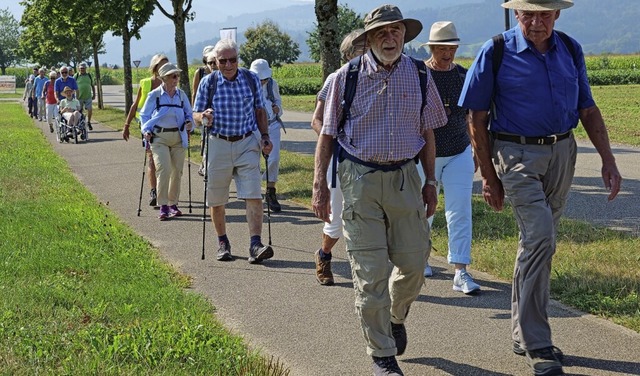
<point>266,41</point>
<point>9,36</point>
<point>348,20</point>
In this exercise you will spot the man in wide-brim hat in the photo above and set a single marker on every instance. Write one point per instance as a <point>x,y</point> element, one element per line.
<point>384,212</point>
<point>537,95</point>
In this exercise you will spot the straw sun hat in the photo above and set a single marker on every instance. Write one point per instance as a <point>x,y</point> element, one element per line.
<point>538,5</point>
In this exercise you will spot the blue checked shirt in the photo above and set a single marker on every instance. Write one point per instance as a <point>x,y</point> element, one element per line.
<point>234,104</point>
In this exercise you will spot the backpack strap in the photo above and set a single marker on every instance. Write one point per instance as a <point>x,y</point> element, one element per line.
<point>423,74</point>
<point>270,96</point>
<point>213,85</point>
<point>249,78</point>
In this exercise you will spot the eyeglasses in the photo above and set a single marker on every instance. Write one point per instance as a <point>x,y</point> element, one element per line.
<point>64,72</point>
<point>175,75</point>
<point>211,62</point>
<point>231,60</point>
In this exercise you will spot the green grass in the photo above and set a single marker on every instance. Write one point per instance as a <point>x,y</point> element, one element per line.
<point>302,103</point>
<point>620,107</point>
<point>82,293</point>
<point>16,95</point>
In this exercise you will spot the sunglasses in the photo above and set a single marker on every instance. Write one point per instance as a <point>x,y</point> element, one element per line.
<point>211,62</point>
<point>175,75</point>
<point>64,72</point>
<point>232,60</point>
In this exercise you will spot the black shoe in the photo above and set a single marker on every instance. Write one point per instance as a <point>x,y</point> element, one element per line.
<point>259,252</point>
<point>50,128</point>
<point>522,352</point>
<point>153,197</point>
<point>400,335</point>
<point>89,126</point>
<point>224,252</point>
<point>386,366</point>
<point>272,200</point>
<point>543,362</point>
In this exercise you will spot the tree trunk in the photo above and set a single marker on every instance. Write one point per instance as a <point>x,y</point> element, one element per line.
<point>126,64</point>
<point>327,16</point>
<point>96,64</point>
<point>181,53</point>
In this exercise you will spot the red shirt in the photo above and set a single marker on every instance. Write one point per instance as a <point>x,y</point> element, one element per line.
<point>51,93</point>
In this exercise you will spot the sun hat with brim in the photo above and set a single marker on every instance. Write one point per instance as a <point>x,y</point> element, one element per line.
<point>538,5</point>
<point>385,15</point>
<point>67,88</point>
<point>261,68</point>
<point>155,60</point>
<point>168,69</point>
<point>443,33</point>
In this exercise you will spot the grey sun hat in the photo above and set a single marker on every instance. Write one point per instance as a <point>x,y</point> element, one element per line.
<point>261,68</point>
<point>443,33</point>
<point>538,5</point>
<point>385,15</point>
<point>168,69</point>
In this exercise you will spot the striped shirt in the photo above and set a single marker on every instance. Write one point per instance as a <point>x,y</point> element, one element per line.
<point>234,104</point>
<point>385,123</point>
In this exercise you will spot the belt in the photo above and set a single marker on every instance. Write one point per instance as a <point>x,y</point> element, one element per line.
<point>548,140</point>
<point>232,138</point>
<point>392,163</point>
<point>161,129</point>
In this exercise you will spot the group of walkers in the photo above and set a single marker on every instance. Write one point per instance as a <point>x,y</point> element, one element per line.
<point>392,133</point>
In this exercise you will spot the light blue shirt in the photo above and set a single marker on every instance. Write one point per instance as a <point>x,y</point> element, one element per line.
<point>38,83</point>
<point>172,116</point>
<point>535,94</point>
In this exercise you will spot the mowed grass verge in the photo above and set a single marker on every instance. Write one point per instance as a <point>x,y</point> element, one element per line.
<point>82,293</point>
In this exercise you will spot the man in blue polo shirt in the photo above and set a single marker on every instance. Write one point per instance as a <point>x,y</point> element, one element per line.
<point>64,81</point>
<point>38,84</point>
<point>539,93</point>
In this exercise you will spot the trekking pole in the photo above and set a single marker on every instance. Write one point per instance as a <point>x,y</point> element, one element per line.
<point>189,168</point>
<point>206,176</point>
<point>144,169</point>
<point>266,164</point>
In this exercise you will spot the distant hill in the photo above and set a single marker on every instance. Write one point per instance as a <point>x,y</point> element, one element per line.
<point>601,26</point>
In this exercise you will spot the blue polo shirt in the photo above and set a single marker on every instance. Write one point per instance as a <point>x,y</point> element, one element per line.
<point>60,84</point>
<point>535,94</point>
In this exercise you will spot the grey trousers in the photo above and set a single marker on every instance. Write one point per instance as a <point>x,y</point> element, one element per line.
<point>385,228</point>
<point>536,181</point>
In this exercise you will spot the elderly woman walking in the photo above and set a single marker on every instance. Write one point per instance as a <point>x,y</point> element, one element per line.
<point>454,160</point>
<point>166,122</point>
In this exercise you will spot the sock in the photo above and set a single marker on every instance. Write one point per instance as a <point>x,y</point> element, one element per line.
<point>223,238</point>
<point>325,256</point>
<point>255,239</point>
<point>458,271</point>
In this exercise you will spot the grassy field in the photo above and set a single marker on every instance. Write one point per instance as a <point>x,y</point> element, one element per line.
<point>82,294</point>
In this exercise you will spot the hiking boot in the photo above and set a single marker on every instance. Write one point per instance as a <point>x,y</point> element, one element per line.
<point>544,362</point>
<point>50,128</point>
<point>464,282</point>
<point>522,352</point>
<point>271,200</point>
<point>164,213</point>
<point>386,366</point>
<point>428,272</point>
<point>323,268</point>
<point>89,126</point>
<point>259,252</point>
<point>153,197</point>
<point>224,252</point>
<point>400,336</point>
<point>174,211</point>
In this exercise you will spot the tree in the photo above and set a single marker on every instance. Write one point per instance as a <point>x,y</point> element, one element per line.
<point>179,17</point>
<point>348,20</point>
<point>9,36</point>
<point>327,16</point>
<point>266,41</point>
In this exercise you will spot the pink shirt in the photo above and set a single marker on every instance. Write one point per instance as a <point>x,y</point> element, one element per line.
<point>385,122</point>
<point>50,93</point>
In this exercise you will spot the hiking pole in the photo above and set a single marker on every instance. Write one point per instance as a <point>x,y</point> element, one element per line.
<point>144,169</point>
<point>189,168</point>
<point>266,164</point>
<point>206,177</point>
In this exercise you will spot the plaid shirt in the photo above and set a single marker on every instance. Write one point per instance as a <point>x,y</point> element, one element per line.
<point>233,105</point>
<point>385,123</point>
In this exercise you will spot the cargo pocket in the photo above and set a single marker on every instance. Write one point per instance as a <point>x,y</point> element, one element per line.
<point>351,227</point>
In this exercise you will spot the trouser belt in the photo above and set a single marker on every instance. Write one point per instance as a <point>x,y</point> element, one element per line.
<point>547,140</point>
<point>232,138</point>
<point>161,129</point>
<point>384,167</point>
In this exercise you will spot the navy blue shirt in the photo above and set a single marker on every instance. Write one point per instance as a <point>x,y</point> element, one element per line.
<point>535,94</point>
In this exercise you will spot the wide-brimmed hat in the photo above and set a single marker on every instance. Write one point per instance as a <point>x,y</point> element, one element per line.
<point>443,33</point>
<point>66,88</point>
<point>168,69</point>
<point>155,60</point>
<point>385,15</point>
<point>261,68</point>
<point>538,5</point>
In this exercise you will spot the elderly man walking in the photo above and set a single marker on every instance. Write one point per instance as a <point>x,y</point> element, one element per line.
<point>526,151</point>
<point>389,124</point>
<point>86,91</point>
<point>230,99</point>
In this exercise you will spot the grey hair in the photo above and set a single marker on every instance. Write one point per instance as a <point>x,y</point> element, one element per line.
<point>347,50</point>
<point>225,45</point>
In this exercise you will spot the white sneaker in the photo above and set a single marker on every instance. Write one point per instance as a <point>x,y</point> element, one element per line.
<point>464,282</point>
<point>428,272</point>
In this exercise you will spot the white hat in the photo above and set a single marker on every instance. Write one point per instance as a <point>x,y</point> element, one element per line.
<point>168,69</point>
<point>538,5</point>
<point>261,68</point>
<point>443,33</point>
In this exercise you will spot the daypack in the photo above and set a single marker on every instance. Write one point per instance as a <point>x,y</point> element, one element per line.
<point>158,105</point>
<point>75,76</point>
<point>272,98</point>
<point>350,85</point>
<point>213,84</point>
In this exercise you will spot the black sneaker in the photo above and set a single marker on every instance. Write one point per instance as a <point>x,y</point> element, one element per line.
<point>89,126</point>
<point>400,335</point>
<point>522,352</point>
<point>153,197</point>
<point>271,200</point>
<point>224,252</point>
<point>543,362</point>
<point>386,366</point>
<point>259,252</point>
<point>50,128</point>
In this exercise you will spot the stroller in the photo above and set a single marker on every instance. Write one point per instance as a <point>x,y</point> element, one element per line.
<point>66,132</point>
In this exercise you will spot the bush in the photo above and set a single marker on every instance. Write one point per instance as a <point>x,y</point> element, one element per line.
<point>614,77</point>
<point>300,86</point>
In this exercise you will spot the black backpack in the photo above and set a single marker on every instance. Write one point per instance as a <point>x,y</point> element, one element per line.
<point>213,84</point>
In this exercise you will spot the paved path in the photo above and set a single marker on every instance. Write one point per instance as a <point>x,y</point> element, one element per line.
<point>279,307</point>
